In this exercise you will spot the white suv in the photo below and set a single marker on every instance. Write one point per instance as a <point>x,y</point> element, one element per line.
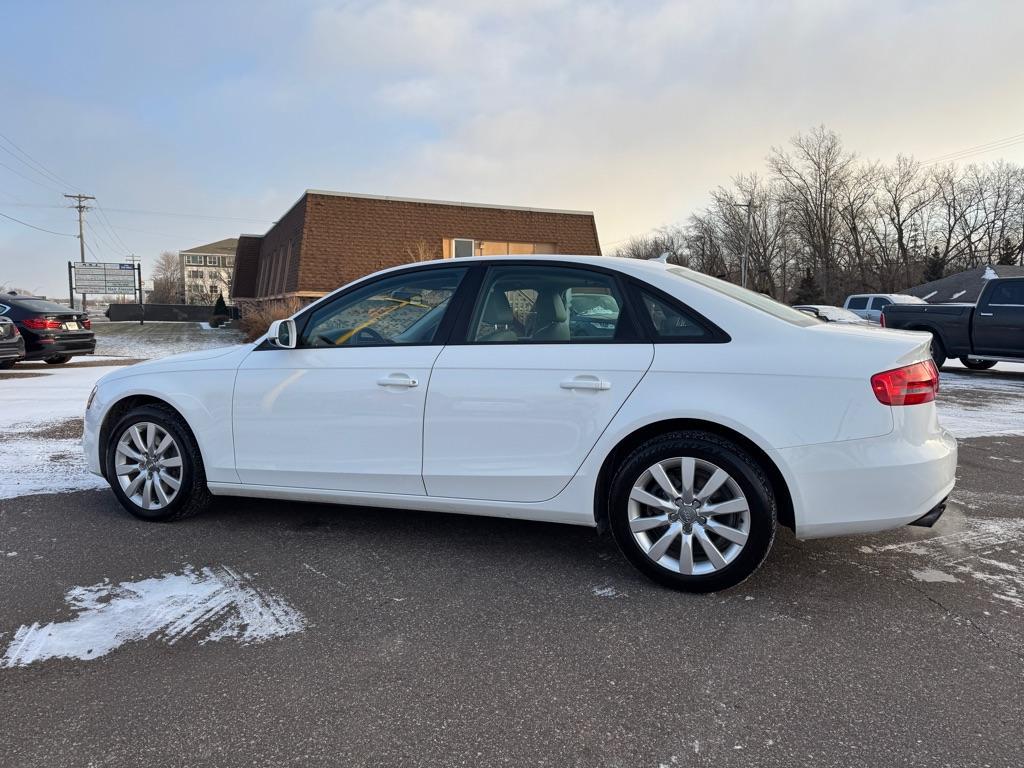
<point>870,305</point>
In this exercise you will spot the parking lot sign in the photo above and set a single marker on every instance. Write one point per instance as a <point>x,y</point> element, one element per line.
<point>103,277</point>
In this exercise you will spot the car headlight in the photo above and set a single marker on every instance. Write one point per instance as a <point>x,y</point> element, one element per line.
<point>92,396</point>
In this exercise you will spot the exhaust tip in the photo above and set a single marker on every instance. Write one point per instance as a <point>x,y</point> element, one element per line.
<point>928,519</point>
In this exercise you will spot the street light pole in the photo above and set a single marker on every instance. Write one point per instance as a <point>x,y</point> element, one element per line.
<point>750,206</point>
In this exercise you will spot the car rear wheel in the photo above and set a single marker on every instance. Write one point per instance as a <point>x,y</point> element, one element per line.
<point>977,365</point>
<point>57,359</point>
<point>693,511</point>
<point>938,351</point>
<point>154,466</point>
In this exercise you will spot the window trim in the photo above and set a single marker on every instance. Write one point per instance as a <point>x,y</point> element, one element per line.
<point>627,331</point>
<point>472,247</point>
<point>303,316</point>
<point>713,333</point>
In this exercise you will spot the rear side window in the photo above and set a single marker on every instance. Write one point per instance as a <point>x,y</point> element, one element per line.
<point>752,299</point>
<point>548,305</point>
<point>857,302</point>
<point>1008,294</point>
<point>880,302</point>
<point>670,322</point>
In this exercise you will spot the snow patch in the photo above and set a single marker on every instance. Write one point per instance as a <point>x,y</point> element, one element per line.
<point>43,465</point>
<point>989,274</point>
<point>933,575</point>
<point>925,298</point>
<point>610,592</point>
<point>210,604</point>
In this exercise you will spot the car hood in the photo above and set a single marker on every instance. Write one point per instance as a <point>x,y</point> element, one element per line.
<point>219,358</point>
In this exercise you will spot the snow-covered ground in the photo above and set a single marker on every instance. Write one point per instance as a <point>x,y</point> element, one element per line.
<point>982,403</point>
<point>40,421</point>
<point>157,339</point>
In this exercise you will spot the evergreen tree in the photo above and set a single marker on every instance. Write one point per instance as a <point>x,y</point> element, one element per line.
<point>807,292</point>
<point>220,308</point>
<point>934,268</point>
<point>1007,254</point>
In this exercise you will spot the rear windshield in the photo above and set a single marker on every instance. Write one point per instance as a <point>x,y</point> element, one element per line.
<point>45,307</point>
<point>750,298</point>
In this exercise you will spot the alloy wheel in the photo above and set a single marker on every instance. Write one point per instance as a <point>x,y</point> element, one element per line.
<point>689,516</point>
<point>148,465</point>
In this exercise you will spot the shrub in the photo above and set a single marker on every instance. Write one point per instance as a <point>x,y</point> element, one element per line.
<point>255,316</point>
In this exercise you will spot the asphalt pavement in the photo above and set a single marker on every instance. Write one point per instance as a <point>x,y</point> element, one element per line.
<point>442,640</point>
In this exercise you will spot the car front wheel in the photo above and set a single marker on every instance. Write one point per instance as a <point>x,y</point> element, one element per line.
<point>57,359</point>
<point>693,511</point>
<point>154,466</point>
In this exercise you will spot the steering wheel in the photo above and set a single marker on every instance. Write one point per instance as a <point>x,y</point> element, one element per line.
<point>369,335</point>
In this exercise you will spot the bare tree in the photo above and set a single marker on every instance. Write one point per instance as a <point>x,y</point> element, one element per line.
<point>168,283</point>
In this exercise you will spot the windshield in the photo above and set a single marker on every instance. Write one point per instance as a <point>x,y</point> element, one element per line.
<point>750,298</point>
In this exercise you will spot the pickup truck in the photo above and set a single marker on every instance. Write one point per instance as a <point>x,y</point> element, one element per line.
<point>979,334</point>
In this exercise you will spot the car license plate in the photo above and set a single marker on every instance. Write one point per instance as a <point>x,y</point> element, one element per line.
<point>72,326</point>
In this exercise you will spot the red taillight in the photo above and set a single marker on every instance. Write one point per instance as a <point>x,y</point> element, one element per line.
<point>910,385</point>
<point>881,319</point>
<point>41,324</point>
<point>87,323</point>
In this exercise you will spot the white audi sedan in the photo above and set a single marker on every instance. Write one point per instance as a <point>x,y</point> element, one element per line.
<point>687,416</point>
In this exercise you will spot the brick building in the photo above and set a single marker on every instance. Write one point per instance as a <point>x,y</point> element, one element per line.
<point>328,239</point>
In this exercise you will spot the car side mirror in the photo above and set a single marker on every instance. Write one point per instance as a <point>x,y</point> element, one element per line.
<point>282,334</point>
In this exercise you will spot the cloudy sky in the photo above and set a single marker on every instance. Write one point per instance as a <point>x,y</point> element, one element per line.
<point>227,111</point>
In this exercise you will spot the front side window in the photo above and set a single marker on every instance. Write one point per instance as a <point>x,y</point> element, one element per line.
<point>404,309</point>
<point>538,304</point>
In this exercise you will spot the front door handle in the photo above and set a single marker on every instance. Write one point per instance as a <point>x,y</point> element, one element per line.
<point>397,380</point>
<point>986,314</point>
<point>586,382</point>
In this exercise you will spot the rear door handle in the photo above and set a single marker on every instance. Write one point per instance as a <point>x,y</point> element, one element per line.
<point>586,382</point>
<point>397,380</point>
<point>986,314</point>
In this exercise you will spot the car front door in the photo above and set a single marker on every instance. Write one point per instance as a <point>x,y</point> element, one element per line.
<point>877,305</point>
<point>998,326</point>
<point>547,356</point>
<point>344,410</point>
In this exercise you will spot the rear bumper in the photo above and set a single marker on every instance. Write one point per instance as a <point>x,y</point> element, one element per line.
<point>72,347</point>
<point>864,486</point>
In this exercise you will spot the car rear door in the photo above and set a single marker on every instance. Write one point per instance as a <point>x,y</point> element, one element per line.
<point>344,410</point>
<point>516,403</point>
<point>998,325</point>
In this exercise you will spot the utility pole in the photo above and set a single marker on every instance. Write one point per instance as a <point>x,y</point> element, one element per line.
<point>750,206</point>
<point>81,207</point>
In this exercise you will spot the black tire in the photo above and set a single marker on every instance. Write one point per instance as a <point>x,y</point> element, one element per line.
<point>193,495</point>
<point>57,359</point>
<point>6,365</point>
<point>977,365</point>
<point>747,473</point>
<point>938,351</point>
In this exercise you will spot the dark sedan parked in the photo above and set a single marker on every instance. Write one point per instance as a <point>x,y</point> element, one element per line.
<point>52,332</point>
<point>12,344</point>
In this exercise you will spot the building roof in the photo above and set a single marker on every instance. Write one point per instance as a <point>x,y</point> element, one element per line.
<point>459,203</point>
<point>220,248</point>
<point>963,286</point>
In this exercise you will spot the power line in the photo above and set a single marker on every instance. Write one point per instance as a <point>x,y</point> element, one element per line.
<point>41,169</point>
<point>29,178</point>
<point>978,149</point>
<point>33,226</point>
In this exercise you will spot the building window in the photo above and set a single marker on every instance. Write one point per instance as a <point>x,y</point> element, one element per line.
<point>193,260</point>
<point>462,248</point>
<point>213,261</point>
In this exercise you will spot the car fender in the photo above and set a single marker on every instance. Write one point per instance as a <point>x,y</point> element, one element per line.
<point>202,397</point>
